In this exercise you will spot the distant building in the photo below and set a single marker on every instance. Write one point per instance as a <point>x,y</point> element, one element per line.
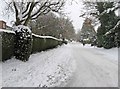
<point>4,26</point>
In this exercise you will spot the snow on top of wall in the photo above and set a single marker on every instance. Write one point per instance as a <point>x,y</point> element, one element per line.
<point>7,31</point>
<point>20,28</point>
<point>46,37</point>
<point>17,28</point>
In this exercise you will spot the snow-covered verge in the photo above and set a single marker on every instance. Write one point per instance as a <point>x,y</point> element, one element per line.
<point>111,54</point>
<point>46,69</point>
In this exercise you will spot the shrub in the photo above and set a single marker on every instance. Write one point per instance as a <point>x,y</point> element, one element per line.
<point>23,42</point>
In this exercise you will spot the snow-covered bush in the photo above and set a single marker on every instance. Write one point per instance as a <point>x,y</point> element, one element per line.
<point>23,42</point>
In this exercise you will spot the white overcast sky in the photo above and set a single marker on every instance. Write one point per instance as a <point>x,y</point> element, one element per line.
<point>73,12</point>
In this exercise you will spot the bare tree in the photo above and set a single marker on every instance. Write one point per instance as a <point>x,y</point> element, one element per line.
<point>25,11</point>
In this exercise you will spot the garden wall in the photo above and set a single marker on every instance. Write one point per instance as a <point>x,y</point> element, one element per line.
<point>40,43</point>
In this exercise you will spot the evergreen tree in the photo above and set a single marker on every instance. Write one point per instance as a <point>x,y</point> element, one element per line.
<point>108,20</point>
<point>103,13</point>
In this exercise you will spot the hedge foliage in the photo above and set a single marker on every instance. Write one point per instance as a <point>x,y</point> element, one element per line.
<point>7,45</point>
<point>39,44</point>
<point>23,43</point>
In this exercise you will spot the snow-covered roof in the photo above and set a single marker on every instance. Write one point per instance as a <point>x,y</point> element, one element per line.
<point>7,31</point>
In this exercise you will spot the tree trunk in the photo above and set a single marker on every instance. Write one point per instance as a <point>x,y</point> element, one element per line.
<point>26,22</point>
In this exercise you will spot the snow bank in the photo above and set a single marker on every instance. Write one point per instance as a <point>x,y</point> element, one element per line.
<point>111,54</point>
<point>46,69</point>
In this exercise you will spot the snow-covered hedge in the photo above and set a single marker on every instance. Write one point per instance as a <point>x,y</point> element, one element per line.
<point>7,43</point>
<point>40,43</point>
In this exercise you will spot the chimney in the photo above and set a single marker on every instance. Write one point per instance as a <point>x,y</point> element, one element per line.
<point>2,24</point>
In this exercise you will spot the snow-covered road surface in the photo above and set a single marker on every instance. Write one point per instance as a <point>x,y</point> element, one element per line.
<point>96,67</point>
<point>70,64</point>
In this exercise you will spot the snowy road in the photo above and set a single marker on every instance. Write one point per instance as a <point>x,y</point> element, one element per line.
<point>95,67</point>
<point>73,64</point>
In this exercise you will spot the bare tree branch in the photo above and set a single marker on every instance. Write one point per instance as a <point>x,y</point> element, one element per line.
<point>27,7</point>
<point>24,11</point>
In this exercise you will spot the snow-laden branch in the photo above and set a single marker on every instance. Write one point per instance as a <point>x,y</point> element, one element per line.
<point>113,29</point>
<point>24,11</point>
<point>110,10</point>
<point>46,7</point>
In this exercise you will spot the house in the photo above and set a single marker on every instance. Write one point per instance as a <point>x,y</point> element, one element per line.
<point>4,26</point>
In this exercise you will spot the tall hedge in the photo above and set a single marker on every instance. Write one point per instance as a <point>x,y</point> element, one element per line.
<point>42,43</point>
<point>39,43</point>
<point>7,45</point>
